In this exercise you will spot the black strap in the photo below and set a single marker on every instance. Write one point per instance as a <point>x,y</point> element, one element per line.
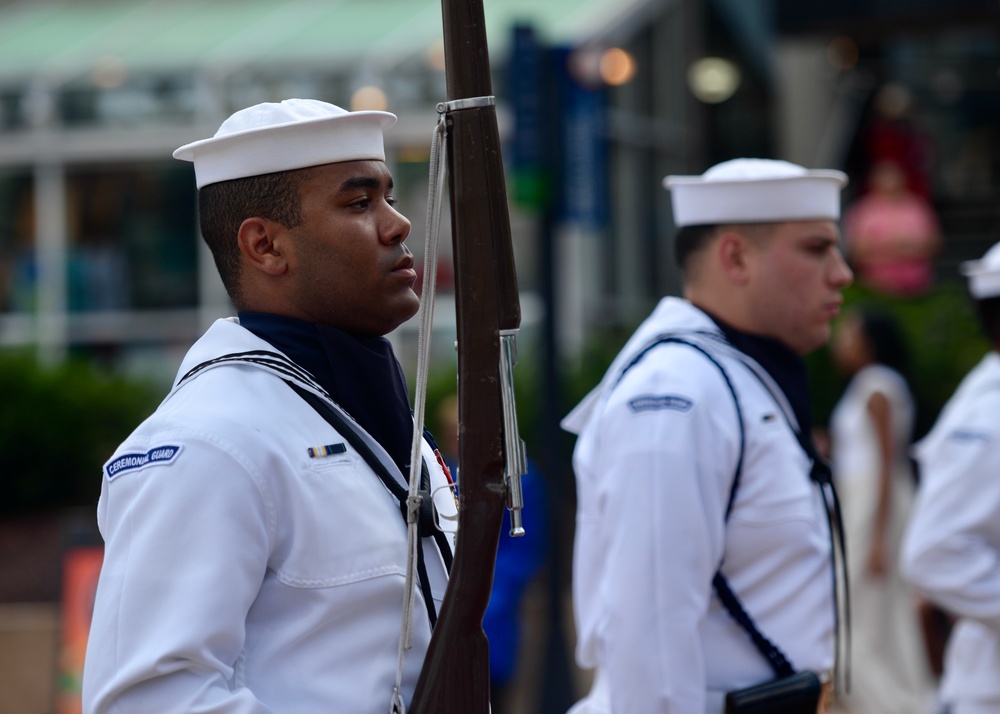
<point>774,656</point>
<point>426,527</point>
<point>822,475</point>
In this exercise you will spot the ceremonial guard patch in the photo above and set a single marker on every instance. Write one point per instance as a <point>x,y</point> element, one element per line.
<point>968,435</point>
<point>157,456</point>
<point>649,402</point>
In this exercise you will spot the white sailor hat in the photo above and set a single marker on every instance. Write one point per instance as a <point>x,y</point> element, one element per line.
<point>755,191</point>
<point>292,134</point>
<point>984,274</point>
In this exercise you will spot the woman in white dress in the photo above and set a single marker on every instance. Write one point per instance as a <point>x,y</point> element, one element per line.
<point>870,431</point>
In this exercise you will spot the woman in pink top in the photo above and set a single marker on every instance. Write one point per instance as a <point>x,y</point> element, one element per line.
<point>892,235</point>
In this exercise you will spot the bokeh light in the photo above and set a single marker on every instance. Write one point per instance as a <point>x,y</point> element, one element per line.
<point>713,79</point>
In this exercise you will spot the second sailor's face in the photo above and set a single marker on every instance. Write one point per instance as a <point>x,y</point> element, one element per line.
<point>798,276</point>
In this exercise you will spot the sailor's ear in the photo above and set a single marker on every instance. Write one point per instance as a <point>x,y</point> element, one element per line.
<point>733,252</point>
<point>263,244</point>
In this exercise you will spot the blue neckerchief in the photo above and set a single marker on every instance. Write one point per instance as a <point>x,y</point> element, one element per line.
<point>784,366</point>
<point>361,373</point>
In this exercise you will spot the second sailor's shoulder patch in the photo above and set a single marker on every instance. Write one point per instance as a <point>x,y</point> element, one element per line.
<point>653,402</point>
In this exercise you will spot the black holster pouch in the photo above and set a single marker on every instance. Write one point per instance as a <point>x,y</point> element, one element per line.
<point>798,694</point>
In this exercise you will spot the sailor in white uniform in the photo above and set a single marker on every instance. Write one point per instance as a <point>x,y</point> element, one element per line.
<point>952,546</point>
<point>689,454</point>
<point>255,545</point>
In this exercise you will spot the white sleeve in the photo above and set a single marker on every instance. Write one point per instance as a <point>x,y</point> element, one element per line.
<point>667,458</point>
<point>186,549</point>
<point>951,549</point>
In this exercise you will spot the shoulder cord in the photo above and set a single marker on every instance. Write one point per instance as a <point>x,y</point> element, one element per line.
<point>775,657</point>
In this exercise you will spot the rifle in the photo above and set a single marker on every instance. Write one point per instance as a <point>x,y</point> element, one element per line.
<point>455,675</point>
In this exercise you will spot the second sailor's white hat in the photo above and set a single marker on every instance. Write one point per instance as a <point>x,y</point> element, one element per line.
<point>984,274</point>
<point>756,191</point>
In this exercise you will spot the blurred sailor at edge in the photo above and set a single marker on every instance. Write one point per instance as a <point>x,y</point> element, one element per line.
<point>951,550</point>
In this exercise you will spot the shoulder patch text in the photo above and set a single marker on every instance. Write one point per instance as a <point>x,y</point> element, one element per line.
<point>651,402</point>
<point>157,456</point>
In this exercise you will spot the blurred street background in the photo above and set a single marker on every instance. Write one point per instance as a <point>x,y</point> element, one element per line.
<point>104,282</point>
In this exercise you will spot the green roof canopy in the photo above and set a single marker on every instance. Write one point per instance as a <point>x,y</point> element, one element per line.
<point>66,39</point>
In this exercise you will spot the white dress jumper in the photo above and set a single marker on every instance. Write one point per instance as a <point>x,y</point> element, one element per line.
<point>244,572</point>
<point>654,463</point>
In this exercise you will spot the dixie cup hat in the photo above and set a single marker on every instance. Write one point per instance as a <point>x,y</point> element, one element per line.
<point>281,136</point>
<point>756,191</point>
<point>984,274</point>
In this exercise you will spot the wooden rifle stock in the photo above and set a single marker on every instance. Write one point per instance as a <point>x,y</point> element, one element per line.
<point>455,675</point>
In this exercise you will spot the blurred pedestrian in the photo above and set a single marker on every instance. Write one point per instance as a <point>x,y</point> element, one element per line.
<point>951,549</point>
<point>871,429</point>
<point>256,549</point>
<point>697,481</point>
<point>892,235</point>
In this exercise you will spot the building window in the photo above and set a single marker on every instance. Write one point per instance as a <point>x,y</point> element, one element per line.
<point>132,239</point>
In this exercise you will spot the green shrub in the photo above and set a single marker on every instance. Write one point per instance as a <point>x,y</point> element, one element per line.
<point>58,426</point>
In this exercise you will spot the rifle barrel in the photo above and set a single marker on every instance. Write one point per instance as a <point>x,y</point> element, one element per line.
<point>455,676</point>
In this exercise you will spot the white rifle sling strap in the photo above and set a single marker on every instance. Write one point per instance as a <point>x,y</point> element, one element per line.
<point>438,166</point>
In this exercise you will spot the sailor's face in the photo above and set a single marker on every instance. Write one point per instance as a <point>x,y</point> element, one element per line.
<point>350,265</point>
<point>798,273</point>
